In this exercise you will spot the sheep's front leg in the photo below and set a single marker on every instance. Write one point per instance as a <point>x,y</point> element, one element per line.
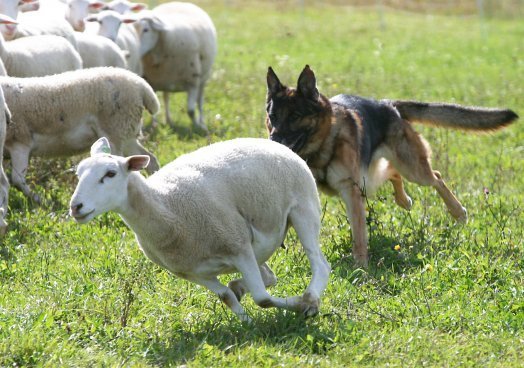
<point>226,295</point>
<point>167,113</point>
<point>19,162</point>
<point>239,287</point>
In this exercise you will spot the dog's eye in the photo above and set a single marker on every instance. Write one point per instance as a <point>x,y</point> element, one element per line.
<point>109,174</point>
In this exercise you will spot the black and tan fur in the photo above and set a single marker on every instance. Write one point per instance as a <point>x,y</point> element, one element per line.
<point>354,144</point>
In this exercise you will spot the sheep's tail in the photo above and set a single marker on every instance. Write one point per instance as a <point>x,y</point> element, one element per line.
<point>455,116</point>
<point>151,102</point>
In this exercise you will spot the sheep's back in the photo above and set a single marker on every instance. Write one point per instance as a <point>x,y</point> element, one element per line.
<point>111,97</point>
<point>241,173</point>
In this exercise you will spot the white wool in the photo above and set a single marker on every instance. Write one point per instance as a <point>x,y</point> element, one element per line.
<point>223,208</point>
<point>48,122</point>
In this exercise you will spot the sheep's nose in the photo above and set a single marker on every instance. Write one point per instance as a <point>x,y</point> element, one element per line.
<point>80,26</point>
<point>75,208</point>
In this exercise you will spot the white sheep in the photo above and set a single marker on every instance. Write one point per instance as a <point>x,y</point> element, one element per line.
<point>63,114</point>
<point>178,45</point>
<point>124,6</point>
<point>110,26</point>
<point>221,209</point>
<point>5,119</point>
<point>78,10</point>
<point>36,56</point>
<point>40,22</point>
<point>97,50</point>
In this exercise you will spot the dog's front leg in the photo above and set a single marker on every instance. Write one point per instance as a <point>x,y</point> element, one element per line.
<point>353,197</point>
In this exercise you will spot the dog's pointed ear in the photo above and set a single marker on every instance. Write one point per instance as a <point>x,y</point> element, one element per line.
<point>307,84</point>
<point>273,84</point>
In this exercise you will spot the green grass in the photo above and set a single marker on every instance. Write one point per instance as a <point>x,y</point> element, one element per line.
<point>452,295</point>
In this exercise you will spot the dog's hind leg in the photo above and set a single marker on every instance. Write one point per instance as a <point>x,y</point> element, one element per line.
<point>401,197</point>
<point>410,154</point>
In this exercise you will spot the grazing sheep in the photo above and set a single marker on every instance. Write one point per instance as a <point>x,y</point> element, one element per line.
<point>64,114</point>
<point>178,45</point>
<point>97,50</point>
<point>36,56</point>
<point>5,117</point>
<point>221,209</point>
<point>125,37</point>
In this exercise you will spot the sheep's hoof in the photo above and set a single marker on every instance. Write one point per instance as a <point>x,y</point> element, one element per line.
<point>238,288</point>
<point>309,305</point>
<point>36,199</point>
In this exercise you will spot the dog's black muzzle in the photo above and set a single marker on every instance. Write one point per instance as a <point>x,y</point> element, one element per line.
<point>293,141</point>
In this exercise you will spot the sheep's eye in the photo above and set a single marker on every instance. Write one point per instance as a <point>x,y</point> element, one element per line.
<point>109,174</point>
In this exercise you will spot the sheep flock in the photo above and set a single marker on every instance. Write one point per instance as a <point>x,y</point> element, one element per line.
<point>77,75</point>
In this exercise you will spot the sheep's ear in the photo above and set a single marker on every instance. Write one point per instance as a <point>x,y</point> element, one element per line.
<point>101,146</point>
<point>157,24</point>
<point>273,84</point>
<point>128,19</point>
<point>91,18</point>
<point>137,163</point>
<point>5,19</point>
<point>96,5</point>
<point>138,7</point>
<point>307,84</point>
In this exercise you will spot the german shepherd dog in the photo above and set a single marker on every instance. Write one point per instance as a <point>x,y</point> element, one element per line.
<point>354,144</point>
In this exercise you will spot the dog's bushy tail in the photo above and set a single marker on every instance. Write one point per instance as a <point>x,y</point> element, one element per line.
<point>455,116</point>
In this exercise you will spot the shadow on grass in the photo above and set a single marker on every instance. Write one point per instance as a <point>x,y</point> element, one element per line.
<point>183,130</point>
<point>385,255</point>
<point>214,338</point>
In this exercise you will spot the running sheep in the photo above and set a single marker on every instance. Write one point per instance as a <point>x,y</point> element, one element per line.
<point>221,209</point>
<point>63,114</point>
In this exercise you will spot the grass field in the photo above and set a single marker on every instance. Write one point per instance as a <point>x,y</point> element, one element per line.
<point>436,293</point>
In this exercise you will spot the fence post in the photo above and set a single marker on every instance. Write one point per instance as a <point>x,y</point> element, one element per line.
<point>380,9</point>
<point>480,6</point>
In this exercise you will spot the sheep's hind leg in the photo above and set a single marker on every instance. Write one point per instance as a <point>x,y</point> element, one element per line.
<point>19,162</point>
<point>248,267</point>
<point>239,287</point>
<point>306,222</point>
<point>192,97</point>
<point>225,294</point>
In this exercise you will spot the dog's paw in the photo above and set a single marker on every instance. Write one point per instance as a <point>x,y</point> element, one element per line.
<point>462,216</point>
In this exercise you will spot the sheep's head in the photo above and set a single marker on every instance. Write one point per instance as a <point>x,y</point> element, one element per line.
<point>124,6</point>
<point>148,29</point>
<point>77,10</point>
<point>8,26</point>
<point>110,22</point>
<point>102,182</point>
